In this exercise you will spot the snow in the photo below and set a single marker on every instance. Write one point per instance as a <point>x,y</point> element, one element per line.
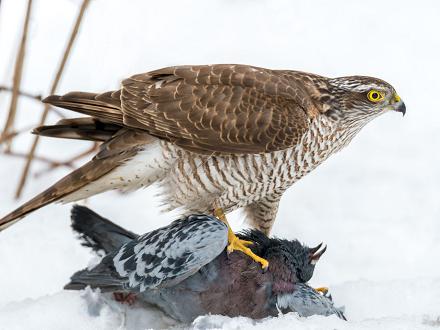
<point>376,204</point>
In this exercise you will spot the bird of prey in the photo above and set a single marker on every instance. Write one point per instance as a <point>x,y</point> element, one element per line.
<point>184,269</point>
<point>213,136</point>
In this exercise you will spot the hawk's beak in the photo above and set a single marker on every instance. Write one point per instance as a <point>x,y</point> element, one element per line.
<point>398,105</point>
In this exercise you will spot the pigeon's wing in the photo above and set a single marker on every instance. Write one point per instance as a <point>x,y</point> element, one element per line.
<point>223,108</point>
<point>168,255</point>
<point>306,301</point>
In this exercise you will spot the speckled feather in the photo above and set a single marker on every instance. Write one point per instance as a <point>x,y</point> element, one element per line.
<point>186,278</point>
<point>172,253</point>
<point>229,136</point>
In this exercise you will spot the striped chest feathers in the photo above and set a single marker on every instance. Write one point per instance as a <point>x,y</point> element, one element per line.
<point>280,168</point>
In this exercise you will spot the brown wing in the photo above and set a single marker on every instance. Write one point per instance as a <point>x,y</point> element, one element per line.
<point>218,108</point>
<point>207,109</point>
<point>112,153</point>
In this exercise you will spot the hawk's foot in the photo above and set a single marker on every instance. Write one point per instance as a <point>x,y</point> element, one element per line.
<point>323,290</point>
<point>236,244</point>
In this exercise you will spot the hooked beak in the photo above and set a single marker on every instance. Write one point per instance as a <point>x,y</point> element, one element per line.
<point>315,254</point>
<point>398,105</point>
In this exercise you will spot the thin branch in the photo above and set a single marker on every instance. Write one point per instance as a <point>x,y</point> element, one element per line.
<point>55,82</point>
<point>56,111</point>
<point>69,163</point>
<point>21,93</point>
<point>18,70</point>
<point>39,158</point>
<point>13,134</point>
<point>35,97</point>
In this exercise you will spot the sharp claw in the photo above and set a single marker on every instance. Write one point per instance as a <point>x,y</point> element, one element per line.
<point>247,243</point>
<point>237,244</point>
<point>323,290</point>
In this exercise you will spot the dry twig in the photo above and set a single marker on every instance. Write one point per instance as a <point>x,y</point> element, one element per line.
<point>52,91</point>
<point>13,134</point>
<point>71,162</point>
<point>51,162</point>
<point>18,70</point>
<point>21,93</point>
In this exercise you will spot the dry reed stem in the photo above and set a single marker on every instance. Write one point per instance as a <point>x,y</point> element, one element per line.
<point>18,70</point>
<point>52,91</point>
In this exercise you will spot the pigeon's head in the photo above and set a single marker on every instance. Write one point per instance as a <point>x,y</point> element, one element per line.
<point>289,260</point>
<point>297,258</point>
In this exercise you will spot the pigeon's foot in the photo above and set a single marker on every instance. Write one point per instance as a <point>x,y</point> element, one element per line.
<point>125,298</point>
<point>323,290</point>
<point>236,244</point>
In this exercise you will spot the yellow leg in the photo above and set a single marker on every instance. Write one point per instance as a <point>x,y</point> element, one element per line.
<point>236,244</point>
<point>322,289</point>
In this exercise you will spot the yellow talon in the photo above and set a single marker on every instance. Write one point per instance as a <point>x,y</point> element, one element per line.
<point>323,290</point>
<point>236,244</point>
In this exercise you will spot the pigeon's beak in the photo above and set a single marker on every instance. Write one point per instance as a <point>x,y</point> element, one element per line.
<point>315,253</point>
<point>398,105</point>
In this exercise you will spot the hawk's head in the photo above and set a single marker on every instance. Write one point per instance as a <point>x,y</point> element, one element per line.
<point>362,98</point>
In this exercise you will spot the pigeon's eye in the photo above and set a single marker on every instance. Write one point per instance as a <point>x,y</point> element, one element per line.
<point>375,96</point>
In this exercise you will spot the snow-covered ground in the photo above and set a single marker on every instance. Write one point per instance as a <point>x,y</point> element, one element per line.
<point>376,204</point>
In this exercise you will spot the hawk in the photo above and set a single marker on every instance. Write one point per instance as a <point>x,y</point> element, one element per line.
<point>213,136</point>
<point>184,270</point>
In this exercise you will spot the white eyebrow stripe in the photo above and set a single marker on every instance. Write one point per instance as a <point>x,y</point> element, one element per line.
<point>364,88</point>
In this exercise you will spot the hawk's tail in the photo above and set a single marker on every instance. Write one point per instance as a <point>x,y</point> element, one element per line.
<point>106,106</point>
<point>67,185</point>
<point>85,128</point>
<point>97,232</point>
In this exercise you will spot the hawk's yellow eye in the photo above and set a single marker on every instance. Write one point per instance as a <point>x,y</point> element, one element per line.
<point>375,96</point>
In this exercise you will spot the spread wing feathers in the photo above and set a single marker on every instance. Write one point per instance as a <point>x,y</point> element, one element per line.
<point>105,106</point>
<point>98,233</point>
<point>85,128</point>
<point>163,257</point>
<point>112,153</point>
<point>218,108</point>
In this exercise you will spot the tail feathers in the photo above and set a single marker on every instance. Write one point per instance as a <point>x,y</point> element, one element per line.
<point>80,183</point>
<point>105,106</point>
<point>67,185</point>
<point>85,128</point>
<point>95,279</point>
<point>97,232</point>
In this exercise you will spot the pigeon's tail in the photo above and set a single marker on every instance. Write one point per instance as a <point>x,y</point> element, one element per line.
<point>97,232</point>
<point>99,277</point>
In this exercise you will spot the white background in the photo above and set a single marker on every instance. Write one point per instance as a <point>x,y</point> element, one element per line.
<point>376,204</point>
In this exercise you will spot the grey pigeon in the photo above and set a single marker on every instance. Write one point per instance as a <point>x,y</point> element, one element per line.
<point>184,269</point>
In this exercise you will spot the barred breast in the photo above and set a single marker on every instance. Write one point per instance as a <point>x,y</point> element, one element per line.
<point>198,183</point>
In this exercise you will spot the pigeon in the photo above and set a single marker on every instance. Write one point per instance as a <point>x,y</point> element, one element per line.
<point>184,269</point>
